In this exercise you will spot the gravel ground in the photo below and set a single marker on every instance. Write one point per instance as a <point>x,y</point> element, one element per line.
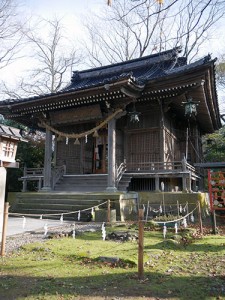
<point>14,242</point>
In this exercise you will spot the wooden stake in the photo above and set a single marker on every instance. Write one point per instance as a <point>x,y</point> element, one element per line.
<point>200,217</point>
<point>140,243</point>
<point>5,222</point>
<point>108,212</point>
<point>213,218</point>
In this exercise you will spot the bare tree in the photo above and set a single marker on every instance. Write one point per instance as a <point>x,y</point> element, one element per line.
<point>130,29</point>
<point>10,32</point>
<point>52,60</point>
<point>220,71</point>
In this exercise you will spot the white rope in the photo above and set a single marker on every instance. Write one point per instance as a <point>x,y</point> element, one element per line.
<point>176,220</point>
<point>58,214</point>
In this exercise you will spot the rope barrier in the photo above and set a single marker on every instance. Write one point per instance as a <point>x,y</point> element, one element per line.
<point>58,214</point>
<point>176,220</point>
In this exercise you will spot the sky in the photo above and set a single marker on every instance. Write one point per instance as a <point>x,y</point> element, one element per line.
<point>73,13</point>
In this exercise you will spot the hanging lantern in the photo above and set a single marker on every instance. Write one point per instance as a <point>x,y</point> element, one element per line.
<point>160,1</point>
<point>190,107</point>
<point>134,115</point>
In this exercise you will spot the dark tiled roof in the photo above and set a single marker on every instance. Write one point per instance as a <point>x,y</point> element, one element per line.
<point>140,70</point>
<point>11,132</point>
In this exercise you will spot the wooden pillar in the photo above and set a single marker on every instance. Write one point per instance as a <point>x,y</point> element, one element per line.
<point>4,228</point>
<point>55,151</point>
<point>213,219</point>
<point>47,162</point>
<point>198,153</point>
<point>24,180</point>
<point>184,176</point>
<point>112,156</point>
<point>162,138</point>
<point>200,217</point>
<point>140,244</point>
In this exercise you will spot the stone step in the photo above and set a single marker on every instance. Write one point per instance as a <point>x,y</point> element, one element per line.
<point>59,203</point>
<point>85,183</point>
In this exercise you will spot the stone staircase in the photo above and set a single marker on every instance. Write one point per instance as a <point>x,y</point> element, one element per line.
<point>72,193</point>
<point>124,182</point>
<point>82,183</point>
<point>89,183</point>
<point>37,203</point>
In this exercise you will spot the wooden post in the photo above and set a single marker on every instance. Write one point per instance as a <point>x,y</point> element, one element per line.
<point>112,156</point>
<point>5,222</point>
<point>108,212</point>
<point>140,243</point>
<point>47,162</point>
<point>213,218</point>
<point>200,217</point>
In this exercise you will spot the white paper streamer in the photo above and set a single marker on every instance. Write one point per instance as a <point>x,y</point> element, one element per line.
<point>181,208</point>
<point>185,222</point>
<point>61,219</point>
<point>78,217</point>
<point>74,231</point>
<point>45,229</point>
<point>192,218</point>
<point>164,230</point>
<point>92,212</point>
<point>160,209</point>
<point>103,231</point>
<point>67,140</point>
<point>41,217</point>
<point>176,228</point>
<point>24,222</point>
<point>86,139</point>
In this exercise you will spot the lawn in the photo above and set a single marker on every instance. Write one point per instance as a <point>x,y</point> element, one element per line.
<point>177,267</point>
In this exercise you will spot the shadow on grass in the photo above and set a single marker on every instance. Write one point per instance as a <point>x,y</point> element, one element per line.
<point>122,285</point>
<point>170,244</point>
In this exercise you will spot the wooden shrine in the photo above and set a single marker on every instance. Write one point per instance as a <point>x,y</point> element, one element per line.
<point>130,125</point>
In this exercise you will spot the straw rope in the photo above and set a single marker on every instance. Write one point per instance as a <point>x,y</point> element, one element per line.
<point>83,134</point>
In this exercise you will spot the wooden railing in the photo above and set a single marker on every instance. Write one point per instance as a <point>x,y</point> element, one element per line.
<point>32,174</point>
<point>37,174</point>
<point>57,174</point>
<point>157,167</point>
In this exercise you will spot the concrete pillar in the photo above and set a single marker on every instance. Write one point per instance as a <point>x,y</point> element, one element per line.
<point>184,183</point>
<point>189,183</point>
<point>112,156</point>
<point>2,197</point>
<point>47,162</point>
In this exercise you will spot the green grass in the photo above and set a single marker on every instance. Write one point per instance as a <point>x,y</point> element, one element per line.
<point>69,269</point>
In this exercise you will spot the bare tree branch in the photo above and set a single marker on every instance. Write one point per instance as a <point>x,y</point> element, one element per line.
<point>130,29</point>
<point>53,62</point>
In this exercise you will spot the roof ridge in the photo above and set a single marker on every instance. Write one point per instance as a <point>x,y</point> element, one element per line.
<point>125,66</point>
